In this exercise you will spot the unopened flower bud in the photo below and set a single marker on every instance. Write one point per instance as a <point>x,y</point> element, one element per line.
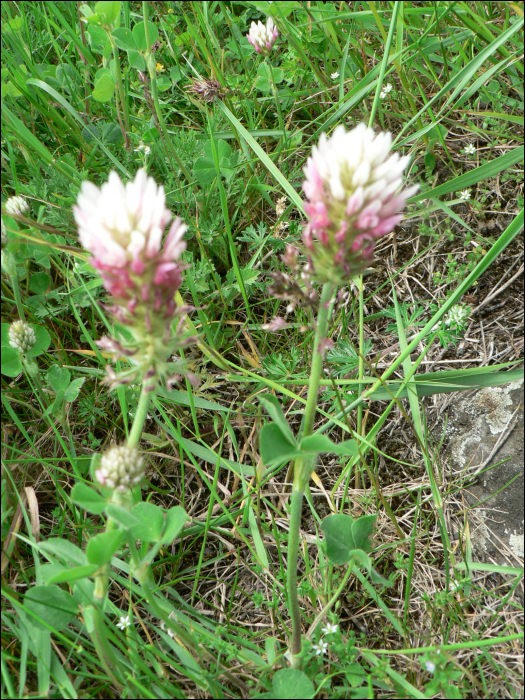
<point>16,206</point>
<point>21,336</point>
<point>261,37</point>
<point>121,468</point>
<point>4,235</point>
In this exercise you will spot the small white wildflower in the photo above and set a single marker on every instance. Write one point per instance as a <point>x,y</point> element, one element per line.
<point>430,666</point>
<point>16,206</point>
<point>142,147</point>
<point>469,150</point>
<point>124,622</point>
<point>335,75</point>
<point>168,630</point>
<point>320,648</point>
<point>329,628</point>
<point>386,89</point>
<point>464,195</point>
<point>290,308</point>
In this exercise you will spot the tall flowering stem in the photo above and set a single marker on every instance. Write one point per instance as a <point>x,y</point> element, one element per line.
<point>353,189</point>
<point>302,470</point>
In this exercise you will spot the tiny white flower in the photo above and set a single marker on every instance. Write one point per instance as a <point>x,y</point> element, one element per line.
<point>335,75</point>
<point>124,622</point>
<point>464,195</point>
<point>470,149</point>
<point>320,648</point>
<point>142,147</point>
<point>329,628</point>
<point>430,666</point>
<point>386,89</point>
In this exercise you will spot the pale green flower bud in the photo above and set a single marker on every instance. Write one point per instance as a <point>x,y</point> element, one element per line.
<point>121,468</point>
<point>21,336</point>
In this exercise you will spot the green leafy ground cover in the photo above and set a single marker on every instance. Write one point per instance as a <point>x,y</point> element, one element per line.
<point>446,79</point>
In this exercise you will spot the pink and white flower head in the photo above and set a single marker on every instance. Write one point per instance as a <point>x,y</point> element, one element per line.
<point>122,227</point>
<point>261,37</point>
<point>353,190</point>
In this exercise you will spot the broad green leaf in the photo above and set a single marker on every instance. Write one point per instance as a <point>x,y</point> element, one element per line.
<point>339,538</point>
<point>102,547</point>
<point>121,516</point>
<point>107,11</point>
<point>87,498</point>
<point>53,607</point>
<point>43,341</point>
<point>64,549</point>
<point>73,389</point>
<point>124,39</point>
<point>274,445</point>
<point>58,378</point>
<point>163,83</point>
<point>136,61</point>
<point>273,407</point>
<point>111,134</point>
<point>39,282</point>
<point>176,517</point>
<point>104,88</point>
<point>321,443</point>
<point>139,34</point>
<point>11,365</point>
<point>74,574</point>
<point>290,683</point>
<point>362,528</point>
<point>151,522</point>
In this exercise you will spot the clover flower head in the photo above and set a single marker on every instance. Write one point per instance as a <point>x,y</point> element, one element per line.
<point>353,187</point>
<point>329,628</point>
<point>320,648</point>
<point>121,468</point>
<point>21,336</point>
<point>465,195</point>
<point>457,316</point>
<point>470,149</point>
<point>122,227</point>
<point>16,206</point>
<point>262,37</point>
<point>124,622</point>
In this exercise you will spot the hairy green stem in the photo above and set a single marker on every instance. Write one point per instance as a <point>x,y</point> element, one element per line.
<point>302,470</point>
<point>18,299</point>
<point>140,418</point>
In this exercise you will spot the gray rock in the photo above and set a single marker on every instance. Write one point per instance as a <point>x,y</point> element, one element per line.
<point>483,429</point>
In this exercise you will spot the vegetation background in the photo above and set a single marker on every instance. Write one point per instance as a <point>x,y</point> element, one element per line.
<point>446,78</point>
